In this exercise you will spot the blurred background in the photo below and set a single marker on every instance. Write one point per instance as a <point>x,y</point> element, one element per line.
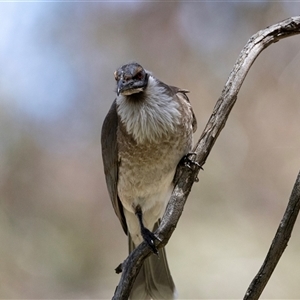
<point>59,235</point>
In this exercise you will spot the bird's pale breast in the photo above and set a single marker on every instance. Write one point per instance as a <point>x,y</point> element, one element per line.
<point>146,170</point>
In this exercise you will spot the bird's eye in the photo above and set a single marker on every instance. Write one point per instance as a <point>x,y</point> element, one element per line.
<point>138,76</point>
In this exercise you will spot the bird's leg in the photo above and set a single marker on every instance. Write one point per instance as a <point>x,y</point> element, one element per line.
<point>147,235</point>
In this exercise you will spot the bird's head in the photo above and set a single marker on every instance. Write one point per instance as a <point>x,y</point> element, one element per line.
<point>131,79</point>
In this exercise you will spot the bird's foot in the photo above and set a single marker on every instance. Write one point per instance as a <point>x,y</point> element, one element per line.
<point>149,237</point>
<point>190,163</point>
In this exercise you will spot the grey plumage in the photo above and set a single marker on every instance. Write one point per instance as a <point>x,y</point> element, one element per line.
<point>144,135</point>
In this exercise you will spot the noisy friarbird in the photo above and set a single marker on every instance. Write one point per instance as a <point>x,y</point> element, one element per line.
<point>145,134</point>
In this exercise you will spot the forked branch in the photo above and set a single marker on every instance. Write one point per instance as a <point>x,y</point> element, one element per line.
<point>250,52</point>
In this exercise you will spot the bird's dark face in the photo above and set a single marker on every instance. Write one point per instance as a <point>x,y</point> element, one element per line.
<point>131,79</point>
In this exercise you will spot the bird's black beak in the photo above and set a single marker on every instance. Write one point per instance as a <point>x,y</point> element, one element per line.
<point>120,86</point>
<point>128,85</point>
<point>124,85</point>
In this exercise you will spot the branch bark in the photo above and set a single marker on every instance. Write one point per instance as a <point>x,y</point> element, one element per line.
<point>217,121</point>
<point>278,245</point>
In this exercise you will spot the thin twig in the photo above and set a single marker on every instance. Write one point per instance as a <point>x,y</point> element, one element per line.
<point>255,45</point>
<point>279,244</point>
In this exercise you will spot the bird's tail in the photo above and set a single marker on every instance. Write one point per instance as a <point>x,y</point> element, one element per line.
<point>154,280</point>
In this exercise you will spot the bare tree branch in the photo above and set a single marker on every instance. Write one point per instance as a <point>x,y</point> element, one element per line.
<point>187,176</point>
<point>279,244</point>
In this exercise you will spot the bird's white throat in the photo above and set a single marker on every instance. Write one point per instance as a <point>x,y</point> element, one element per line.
<point>152,118</point>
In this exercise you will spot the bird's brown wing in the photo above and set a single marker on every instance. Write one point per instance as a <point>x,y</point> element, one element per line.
<point>110,160</point>
<point>183,92</point>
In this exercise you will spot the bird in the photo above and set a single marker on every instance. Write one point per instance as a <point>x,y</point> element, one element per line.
<point>146,133</point>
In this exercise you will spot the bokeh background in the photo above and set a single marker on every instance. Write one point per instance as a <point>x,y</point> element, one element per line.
<point>60,238</point>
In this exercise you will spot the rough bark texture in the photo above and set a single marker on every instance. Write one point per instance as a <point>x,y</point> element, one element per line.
<point>187,176</point>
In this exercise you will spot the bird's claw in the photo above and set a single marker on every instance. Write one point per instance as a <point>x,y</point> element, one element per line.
<point>189,163</point>
<point>149,237</point>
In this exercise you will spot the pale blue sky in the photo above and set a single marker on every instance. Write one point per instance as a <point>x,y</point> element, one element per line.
<point>36,77</point>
